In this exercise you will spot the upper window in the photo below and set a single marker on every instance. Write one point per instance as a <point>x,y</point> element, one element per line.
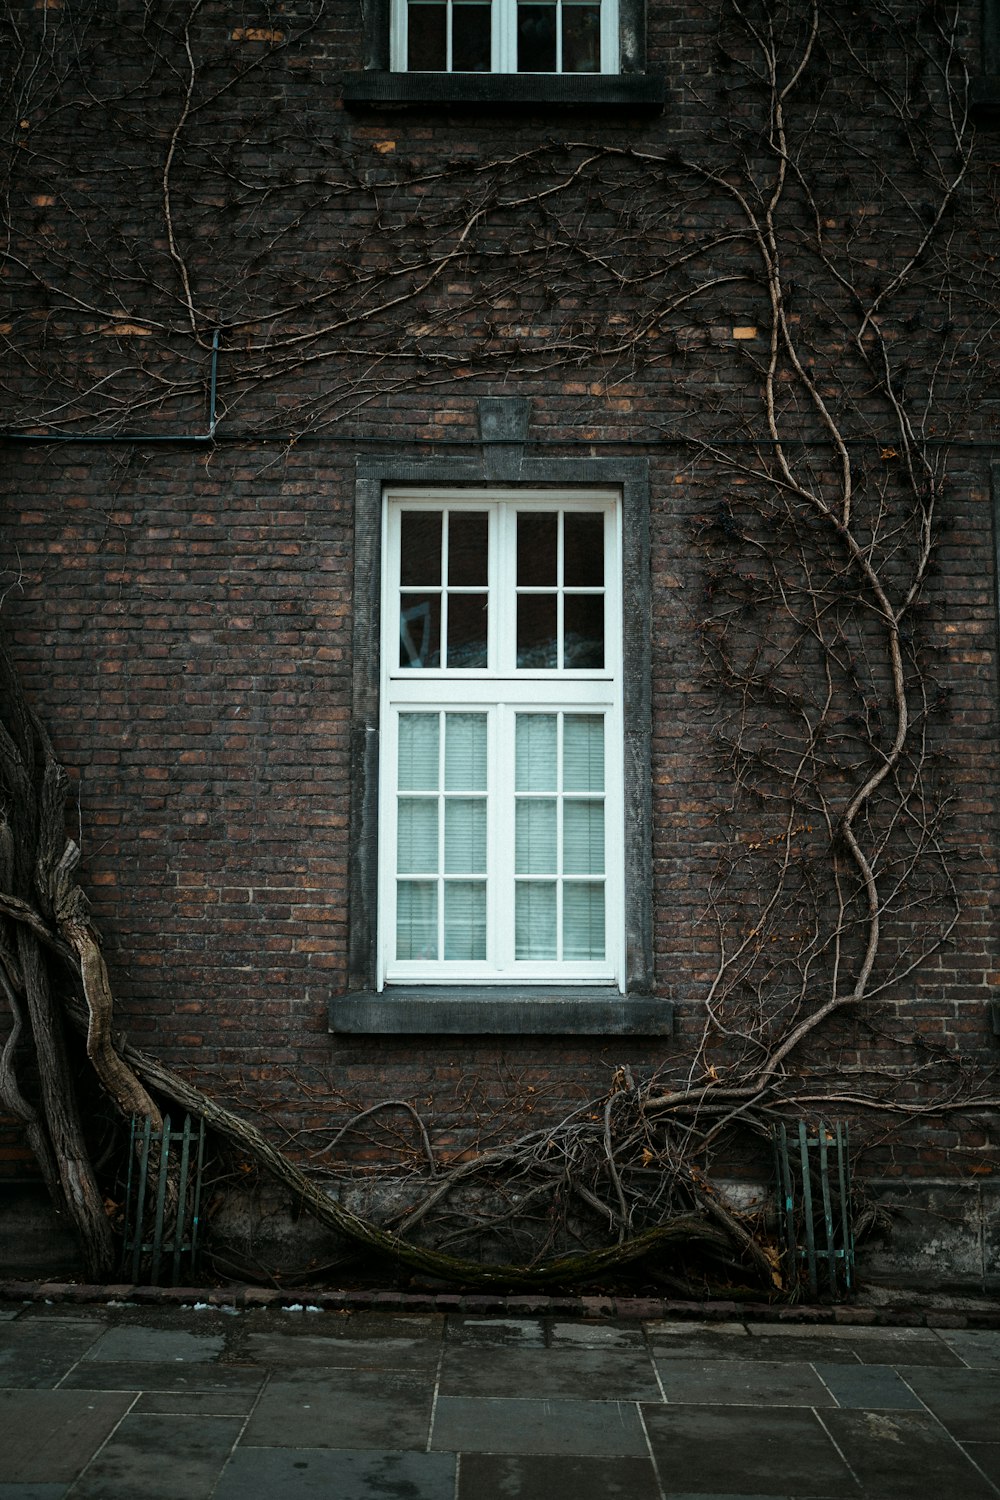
<point>505,36</point>
<point>501,823</point>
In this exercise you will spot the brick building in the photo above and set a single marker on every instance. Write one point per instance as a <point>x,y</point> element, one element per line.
<point>427,429</point>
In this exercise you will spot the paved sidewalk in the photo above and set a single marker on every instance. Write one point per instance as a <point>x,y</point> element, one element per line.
<point>120,1402</point>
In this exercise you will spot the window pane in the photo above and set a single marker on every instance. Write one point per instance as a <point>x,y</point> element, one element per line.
<point>418,753</point>
<point>426,48</point>
<point>419,630</point>
<point>583,838</point>
<point>583,753</point>
<point>470,38</point>
<point>583,550</point>
<point>416,919</point>
<point>465,836</point>
<point>537,645</point>
<point>417,836</point>
<point>465,919</point>
<point>535,919</point>
<point>420,548</point>
<point>583,630</point>
<point>536,38</point>
<point>535,753</point>
<point>467,623</point>
<point>465,753</point>
<point>537,531</point>
<point>581,39</point>
<point>468,549</point>
<point>535,836</point>
<point>583,921</point>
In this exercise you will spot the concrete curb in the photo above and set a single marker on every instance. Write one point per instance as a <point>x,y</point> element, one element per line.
<point>629,1309</point>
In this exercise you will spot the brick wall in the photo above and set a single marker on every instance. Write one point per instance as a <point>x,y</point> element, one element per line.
<point>183,614</point>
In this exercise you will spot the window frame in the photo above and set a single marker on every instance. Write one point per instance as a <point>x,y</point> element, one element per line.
<point>503,47</point>
<point>630,88</point>
<point>466,1010</point>
<point>501,690</point>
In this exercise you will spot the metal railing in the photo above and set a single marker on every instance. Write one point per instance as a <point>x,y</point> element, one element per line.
<point>814,1207</point>
<point>163,1200</point>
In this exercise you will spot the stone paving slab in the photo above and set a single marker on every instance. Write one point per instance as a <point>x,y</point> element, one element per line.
<point>157,1346</point>
<point>587,1374</point>
<point>980,1350</point>
<point>32,1491</point>
<point>49,1435</point>
<point>160,1458</point>
<point>904,1455</point>
<point>100,1375</point>
<point>36,1353</point>
<point>769,1351</point>
<point>316,1474</point>
<point>986,1456</point>
<point>490,1333</point>
<point>741,1383</point>
<point>360,1409</point>
<point>966,1402</point>
<point>470,1424</point>
<point>237,1402</point>
<point>489,1476</point>
<point>314,1352</point>
<point>596,1336</point>
<point>867,1387</point>
<point>741,1451</point>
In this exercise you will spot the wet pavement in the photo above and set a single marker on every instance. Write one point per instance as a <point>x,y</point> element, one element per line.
<point>112,1402</point>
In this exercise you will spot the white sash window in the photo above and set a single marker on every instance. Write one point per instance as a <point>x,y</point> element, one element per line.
<point>501,769</point>
<point>505,36</point>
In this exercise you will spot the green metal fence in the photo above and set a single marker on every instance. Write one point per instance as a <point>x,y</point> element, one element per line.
<point>163,1200</point>
<point>814,1200</point>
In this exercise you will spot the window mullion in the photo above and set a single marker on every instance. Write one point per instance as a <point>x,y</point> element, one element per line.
<point>504,30</point>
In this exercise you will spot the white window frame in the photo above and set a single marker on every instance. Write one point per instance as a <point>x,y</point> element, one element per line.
<point>504,38</point>
<point>502,690</point>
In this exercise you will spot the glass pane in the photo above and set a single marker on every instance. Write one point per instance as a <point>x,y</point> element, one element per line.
<point>583,630</point>
<point>417,836</point>
<point>426,48</point>
<point>535,837</point>
<point>418,753</point>
<point>535,753</point>
<point>416,919</point>
<point>467,622</point>
<point>420,548</point>
<point>465,919</point>
<point>536,38</point>
<point>583,753</point>
<point>419,630</point>
<point>470,38</point>
<point>468,554</point>
<point>583,838</point>
<point>583,550</point>
<point>581,41</point>
<point>537,531</point>
<point>535,919</point>
<point>583,921</point>
<point>465,836</point>
<point>536,631</point>
<point>465,753</point>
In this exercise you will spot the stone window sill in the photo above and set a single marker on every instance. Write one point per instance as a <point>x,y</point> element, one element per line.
<point>631,91</point>
<point>501,1010</point>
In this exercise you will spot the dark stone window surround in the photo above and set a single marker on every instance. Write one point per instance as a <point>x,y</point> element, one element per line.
<point>498,1009</point>
<point>986,88</point>
<point>630,88</point>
